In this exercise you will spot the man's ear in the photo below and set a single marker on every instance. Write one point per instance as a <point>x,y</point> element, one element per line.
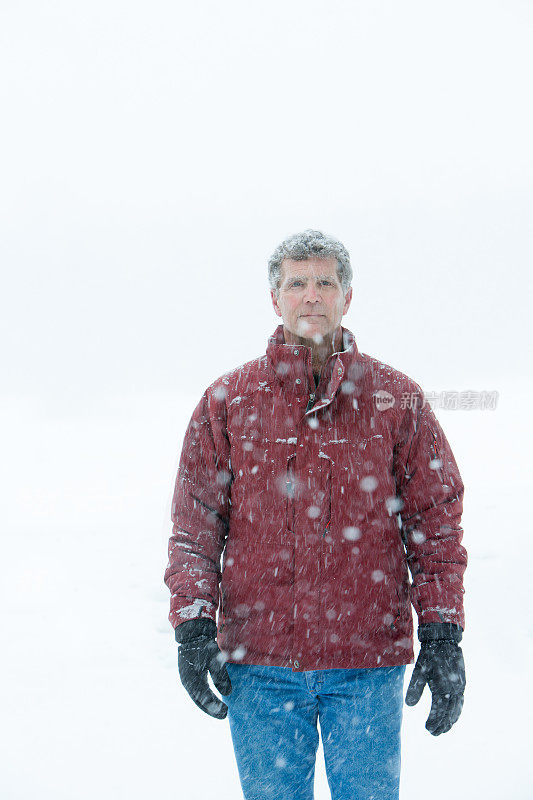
<point>277,309</point>
<point>347,300</point>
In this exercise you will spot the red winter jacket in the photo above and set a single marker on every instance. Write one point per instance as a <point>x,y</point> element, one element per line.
<point>318,500</point>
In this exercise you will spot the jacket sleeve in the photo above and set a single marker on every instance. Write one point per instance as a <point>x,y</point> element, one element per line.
<point>431,494</point>
<point>200,513</point>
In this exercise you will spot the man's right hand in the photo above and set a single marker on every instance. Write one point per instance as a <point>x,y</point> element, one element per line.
<point>199,654</point>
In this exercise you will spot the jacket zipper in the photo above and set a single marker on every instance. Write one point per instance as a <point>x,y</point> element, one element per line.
<point>310,403</point>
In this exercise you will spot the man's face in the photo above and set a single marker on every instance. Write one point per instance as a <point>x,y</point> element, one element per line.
<point>310,300</point>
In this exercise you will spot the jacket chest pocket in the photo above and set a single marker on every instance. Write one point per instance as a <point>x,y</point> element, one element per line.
<point>308,503</point>
<point>327,473</point>
<point>290,492</point>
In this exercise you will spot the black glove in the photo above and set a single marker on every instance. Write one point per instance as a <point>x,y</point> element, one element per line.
<point>199,653</point>
<point>440,664</point>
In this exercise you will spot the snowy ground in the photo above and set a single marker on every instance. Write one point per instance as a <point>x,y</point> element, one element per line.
<point>92,706</point>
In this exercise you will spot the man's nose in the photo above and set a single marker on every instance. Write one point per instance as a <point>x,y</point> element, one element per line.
<point>312,293</point>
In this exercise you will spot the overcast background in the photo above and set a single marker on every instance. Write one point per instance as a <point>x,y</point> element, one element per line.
<point>153,155</point>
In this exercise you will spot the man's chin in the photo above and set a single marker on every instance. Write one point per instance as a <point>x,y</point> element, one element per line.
<point>311,330</point>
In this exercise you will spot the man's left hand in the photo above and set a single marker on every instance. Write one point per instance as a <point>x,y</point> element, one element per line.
<point>441,665</point>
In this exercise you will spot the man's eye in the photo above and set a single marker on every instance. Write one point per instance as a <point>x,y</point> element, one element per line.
<point>296,283</point>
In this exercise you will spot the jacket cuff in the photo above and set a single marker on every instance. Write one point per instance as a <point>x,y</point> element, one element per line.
<point>195,628</point>
<point>439,632</point>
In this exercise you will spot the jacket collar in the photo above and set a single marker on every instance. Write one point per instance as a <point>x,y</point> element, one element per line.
<point>291,364</point>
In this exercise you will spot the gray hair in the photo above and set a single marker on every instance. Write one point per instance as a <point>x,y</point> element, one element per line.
<point>309,244</point>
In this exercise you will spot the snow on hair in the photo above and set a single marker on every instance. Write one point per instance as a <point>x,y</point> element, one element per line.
<point>309,244</point>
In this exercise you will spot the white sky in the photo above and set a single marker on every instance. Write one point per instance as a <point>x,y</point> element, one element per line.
<point>153,155</point>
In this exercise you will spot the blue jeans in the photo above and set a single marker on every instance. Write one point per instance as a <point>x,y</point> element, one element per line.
<point>273,715</point>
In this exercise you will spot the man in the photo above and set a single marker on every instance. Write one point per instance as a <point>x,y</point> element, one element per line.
<point>311,480</point>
